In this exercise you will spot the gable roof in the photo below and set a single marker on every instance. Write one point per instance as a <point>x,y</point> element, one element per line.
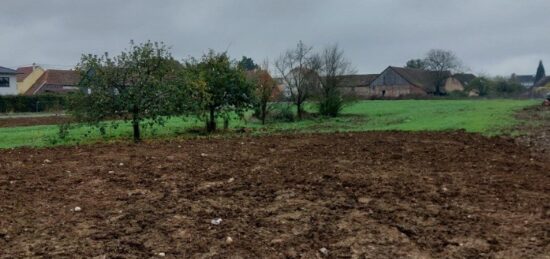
<point>23,72</point>
<point>54,81</point>
<point>9,71</point>
<point>420,78</point>
<point>358,80</point>
<point>524,78</point>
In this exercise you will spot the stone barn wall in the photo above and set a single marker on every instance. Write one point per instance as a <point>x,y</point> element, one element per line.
<point>391,84</point>
<point>360,92</point>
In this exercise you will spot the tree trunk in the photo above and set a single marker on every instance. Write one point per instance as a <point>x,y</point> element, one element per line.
<point>135,125</point>
<point>211,123</point>
<point>299,107</point>
<point>137,133</point>
<point>263,112</point>
<point>226,123</point>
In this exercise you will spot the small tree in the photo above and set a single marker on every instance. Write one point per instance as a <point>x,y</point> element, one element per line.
<point>504,87</point>
<point>247,64</point>
<point>223,87</point>
<point>265,90</point>
<point>332,67</point>
<point>416,64</point>
<point>441,63</point>
<point>481,85</point>
<point>299,74</point>
<point>540,73</point>
<point>129,86</point>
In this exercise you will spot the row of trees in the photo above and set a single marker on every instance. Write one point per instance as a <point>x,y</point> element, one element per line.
<point>495,87</point>
<point>145,84</point>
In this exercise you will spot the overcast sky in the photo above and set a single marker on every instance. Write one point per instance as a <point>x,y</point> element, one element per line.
<point>490,36</point>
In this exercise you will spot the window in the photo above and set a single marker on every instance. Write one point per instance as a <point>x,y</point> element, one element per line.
<point>4,81</point>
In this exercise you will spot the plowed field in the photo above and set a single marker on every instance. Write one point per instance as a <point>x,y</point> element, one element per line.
<point>374,195</point>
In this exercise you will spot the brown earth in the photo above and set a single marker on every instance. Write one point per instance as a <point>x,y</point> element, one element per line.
<point>374,195</point>
<point>32,121</point>
<point>535,129</point>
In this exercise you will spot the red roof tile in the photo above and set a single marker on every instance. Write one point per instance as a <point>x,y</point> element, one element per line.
<point>23,72</point>
<point>54,79</point>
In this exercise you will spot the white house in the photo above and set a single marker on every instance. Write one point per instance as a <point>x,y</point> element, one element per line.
<point>8,81</point>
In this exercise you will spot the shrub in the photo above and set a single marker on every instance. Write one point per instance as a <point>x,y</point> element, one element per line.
<point>331,105</point>
<point>34,103</point>
<point>542,92</point>
<point>481,85</point>
<point>457,95</point>
<point>284,113</point>
<point>507,88</point>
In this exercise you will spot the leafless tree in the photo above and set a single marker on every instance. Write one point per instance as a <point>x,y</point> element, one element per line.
<point>333,67</point>
<point>298,73</point>
<point>441,63</point>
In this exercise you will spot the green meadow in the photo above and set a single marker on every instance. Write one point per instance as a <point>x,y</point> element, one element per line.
<point>488,117</point>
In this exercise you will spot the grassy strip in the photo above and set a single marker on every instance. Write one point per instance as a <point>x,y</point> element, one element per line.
<point>489,117</point>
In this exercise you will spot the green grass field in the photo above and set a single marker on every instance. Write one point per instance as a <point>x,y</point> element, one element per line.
<point>489,117</point>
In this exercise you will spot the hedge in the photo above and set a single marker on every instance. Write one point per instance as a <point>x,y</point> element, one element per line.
<point>34,103</point>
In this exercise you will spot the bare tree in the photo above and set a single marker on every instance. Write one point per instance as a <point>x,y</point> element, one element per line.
<point>298,72</point>
<point>441,63</point>
<point>332,67</point>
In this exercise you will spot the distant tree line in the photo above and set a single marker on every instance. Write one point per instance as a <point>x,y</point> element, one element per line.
<point>495,87</point>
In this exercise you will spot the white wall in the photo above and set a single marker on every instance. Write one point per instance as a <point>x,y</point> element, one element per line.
<point>12,90</point>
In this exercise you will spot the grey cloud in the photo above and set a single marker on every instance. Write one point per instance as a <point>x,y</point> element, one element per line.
<point>490,36</point>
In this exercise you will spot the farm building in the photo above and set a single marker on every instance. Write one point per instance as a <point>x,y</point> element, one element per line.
<point>55,81</point>
<point>457,82</point>
<point>398,81</point>
<point>8,81</point>
<point>358,85</point>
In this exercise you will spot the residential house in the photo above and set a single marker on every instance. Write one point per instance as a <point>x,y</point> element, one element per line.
<point>27,76</point>
<point>8,81</point>
<point>526,81</point>
<point>55,81</point>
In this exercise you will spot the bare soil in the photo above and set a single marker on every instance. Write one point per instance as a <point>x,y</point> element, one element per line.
<point>373,195</point>
<point>535,129</point>
<point>32,121</point>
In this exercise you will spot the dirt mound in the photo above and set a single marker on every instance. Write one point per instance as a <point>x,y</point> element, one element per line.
<point>375,195</point>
